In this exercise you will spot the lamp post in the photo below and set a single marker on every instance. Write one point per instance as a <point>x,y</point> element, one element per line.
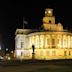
<point>0,48</point>
<point>6,49</point>
<point>33,53</point>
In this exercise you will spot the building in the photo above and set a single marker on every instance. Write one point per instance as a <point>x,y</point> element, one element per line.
<point>51,42</point>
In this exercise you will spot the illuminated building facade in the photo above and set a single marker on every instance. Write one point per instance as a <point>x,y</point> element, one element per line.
<point>51,42</point>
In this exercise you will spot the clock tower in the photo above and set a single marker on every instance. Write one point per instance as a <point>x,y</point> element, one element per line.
<point>49,19</point>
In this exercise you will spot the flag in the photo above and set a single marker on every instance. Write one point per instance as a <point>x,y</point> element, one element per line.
<point>24,22</point>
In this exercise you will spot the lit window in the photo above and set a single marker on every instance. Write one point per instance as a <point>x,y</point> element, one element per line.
<point>47,52</point>
<point>69,53</point>
<point>65,53</point>
<point>64,42</point>
<point>21,53</point>
<point>53,43</point>
<point>41,53</point>
<point>48,42</point>
<point>37,41</point>
<point>53,53</point>
<point>41,41</point>
<point>71,42</point>
<point>18,52</point>
<point>57,41</point>
<point>68,41</point>
<point>22,44</point>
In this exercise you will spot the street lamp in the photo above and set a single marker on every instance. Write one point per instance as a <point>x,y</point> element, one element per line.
<point>0,52</point>
<point>6,49</point>
<point>0,48</point>
<point>11,51</point>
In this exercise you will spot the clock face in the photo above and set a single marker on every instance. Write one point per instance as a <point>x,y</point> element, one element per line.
<point>49,11</point>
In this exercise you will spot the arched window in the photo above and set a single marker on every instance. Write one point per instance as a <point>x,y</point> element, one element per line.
<point>69,53</point>
<point>53,43</point>
<point>65,53</point>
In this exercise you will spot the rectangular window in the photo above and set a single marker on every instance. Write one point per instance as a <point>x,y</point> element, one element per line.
<point>68,41</point>
<point>47,52</point>
<point>57,41</point>
<point>71,42</point>
<point>53,53</point>
<point>37,41</point>
<point>41,42</point>
<point>22,44</point>
<point>33,39</point>
<point>41,53</point>
<point>53,43</point>
<point>65,53</point>
<point>69,53</point>
<point>21,53</point>
<point>48,43</point>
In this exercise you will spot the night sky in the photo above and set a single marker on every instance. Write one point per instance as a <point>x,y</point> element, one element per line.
<point>12,13</point>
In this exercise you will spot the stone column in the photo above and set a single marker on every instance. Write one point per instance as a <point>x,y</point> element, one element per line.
<point>62,41</point>
<point>44,42</point>
<point>39,41</point>
<point>70,41</point>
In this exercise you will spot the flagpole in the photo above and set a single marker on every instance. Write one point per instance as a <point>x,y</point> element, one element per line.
<point>23,22</point>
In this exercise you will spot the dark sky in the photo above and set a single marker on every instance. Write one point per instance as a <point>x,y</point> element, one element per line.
<point>12,13</point>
